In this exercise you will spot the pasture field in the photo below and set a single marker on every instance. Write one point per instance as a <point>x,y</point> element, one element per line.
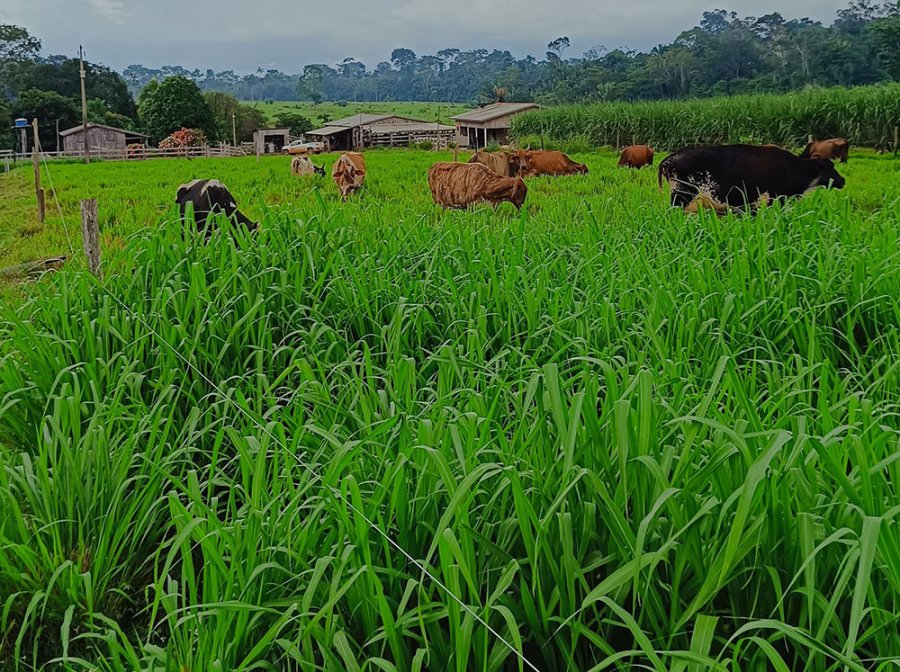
<point>417,110</point>
<point>624,437</point>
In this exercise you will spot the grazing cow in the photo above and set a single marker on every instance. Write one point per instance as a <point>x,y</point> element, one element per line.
<point>499,162</point>
<point>349,172</point>
<point>459,185</point>
<point>300,165</point>
<point>737,175</point>
<point>209,196</point>
<point>836,149</point>
<point>533,162</point>
<point>636,156</point>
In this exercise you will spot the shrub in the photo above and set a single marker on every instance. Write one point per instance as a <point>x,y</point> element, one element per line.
<point>185,137</point>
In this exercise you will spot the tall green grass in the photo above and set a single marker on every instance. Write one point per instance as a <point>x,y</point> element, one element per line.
<point>626,438</point>
<point>866,116</point>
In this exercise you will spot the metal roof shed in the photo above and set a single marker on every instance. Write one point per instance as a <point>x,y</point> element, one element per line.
<point>479,127</point>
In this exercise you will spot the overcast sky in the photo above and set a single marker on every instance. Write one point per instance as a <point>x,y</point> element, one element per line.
<point>242,35</point>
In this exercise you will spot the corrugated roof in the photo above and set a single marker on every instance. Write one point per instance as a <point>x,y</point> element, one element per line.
<point>494,111</point>
<point>80,127</point>
<point>364,120</point>
<point>328,130</point>
<point>411,127</point>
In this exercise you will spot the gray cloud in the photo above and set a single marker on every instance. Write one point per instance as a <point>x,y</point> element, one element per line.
<point>114,10</point>
<point>285,34</point>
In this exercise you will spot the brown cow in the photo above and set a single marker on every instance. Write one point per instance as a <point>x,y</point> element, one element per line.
<point>349,172</point>
<point>533,162</point>
<point>636,156</point>
<point>459,185</point>
<point>834,149</point>
<point>499,162</point>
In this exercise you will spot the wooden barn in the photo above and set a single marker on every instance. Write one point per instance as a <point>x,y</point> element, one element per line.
<point>380,130</point>
<point>488,124</point>
<point>100,138</point>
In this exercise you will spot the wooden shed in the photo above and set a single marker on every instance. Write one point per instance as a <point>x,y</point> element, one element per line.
<point>100,138</point>
<point>270,140</point>
<point>488,124</point>
<point>368,130</point>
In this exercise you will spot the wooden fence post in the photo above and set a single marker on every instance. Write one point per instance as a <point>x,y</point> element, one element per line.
<point>896,129</point>
<point>36,162</point>
<point>90,231</point>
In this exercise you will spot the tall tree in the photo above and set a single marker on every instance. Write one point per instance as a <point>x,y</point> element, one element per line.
<point>17,44</point>
<point>227,110</point>
<point>48,107</point>
<point>175,103</point>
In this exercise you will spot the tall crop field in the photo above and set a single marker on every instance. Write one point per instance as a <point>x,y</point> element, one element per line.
<point>866,116</point>
<point>622,437</point>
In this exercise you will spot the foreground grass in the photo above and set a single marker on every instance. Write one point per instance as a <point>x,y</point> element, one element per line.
<point>625,437</point>
<point>417,110</point>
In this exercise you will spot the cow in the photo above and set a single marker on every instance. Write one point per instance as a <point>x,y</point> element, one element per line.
<point>499,162</point>
<point>533,162</point>
<point>349,172</point>
<point>636,156</point>
<point>210,196</point>
<point>733,176</point>
<point>459,185</point>
<point>836,149</point>
<point>300,165</point>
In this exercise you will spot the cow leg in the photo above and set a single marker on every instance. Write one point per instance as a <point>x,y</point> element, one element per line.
<point>681,197</point>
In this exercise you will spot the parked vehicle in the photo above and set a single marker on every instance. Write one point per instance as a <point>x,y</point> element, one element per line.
<point>301,146</point>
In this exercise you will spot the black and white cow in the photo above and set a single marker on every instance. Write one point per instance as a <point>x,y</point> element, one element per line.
<point>301,166</point>
<point>734,176</point>
<point>210,196</point>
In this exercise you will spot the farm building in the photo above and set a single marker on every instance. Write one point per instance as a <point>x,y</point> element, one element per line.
<point>100,138</point>
<point>488,124</point>
<point>380,130</point>
<point>270,140</point>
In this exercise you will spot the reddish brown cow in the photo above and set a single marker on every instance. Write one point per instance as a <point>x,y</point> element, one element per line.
<point>636,156</point>
<point>459,185</point>
<point>533,162</point>
<point>349,172</point>
<point>835,149</point>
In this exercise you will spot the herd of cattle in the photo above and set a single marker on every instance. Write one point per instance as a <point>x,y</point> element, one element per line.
<point>719,177</point>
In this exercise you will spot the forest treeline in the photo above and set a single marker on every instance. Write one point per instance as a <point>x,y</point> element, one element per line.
<point>724,54</point>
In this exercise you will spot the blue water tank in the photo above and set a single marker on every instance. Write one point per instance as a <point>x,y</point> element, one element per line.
<point>21,123</point>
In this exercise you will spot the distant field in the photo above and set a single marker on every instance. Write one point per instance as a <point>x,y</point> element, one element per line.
<point>427,111</point>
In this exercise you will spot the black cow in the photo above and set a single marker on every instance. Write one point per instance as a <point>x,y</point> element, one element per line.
<point>209,196</point>
<point>738,175</point>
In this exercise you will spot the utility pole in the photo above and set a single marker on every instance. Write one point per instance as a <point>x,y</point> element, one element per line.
<point>58,143</point>
<point>84,128</point>
<point>234,129</point>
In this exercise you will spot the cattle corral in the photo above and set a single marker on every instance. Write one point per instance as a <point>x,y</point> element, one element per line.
<point>605,424</point>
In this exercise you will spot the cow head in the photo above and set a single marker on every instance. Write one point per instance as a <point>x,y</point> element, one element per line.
<point>826,175</point>
<point>518,162</point>
<point>319,170</point>
<point>519,191</point>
